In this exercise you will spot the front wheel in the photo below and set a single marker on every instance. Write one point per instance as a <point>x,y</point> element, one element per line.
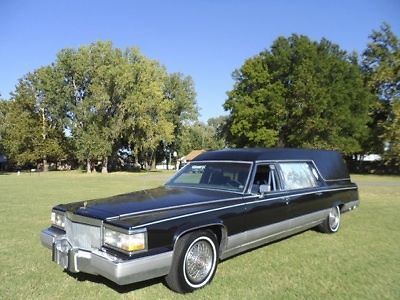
<point>332,223</point>
<point>194,263</point>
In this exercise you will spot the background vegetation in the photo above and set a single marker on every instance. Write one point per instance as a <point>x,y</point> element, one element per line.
<point>100,106</point>
<point>302,93</point>
<point>361,261</point>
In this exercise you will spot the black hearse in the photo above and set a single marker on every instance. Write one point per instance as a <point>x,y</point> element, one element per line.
<point>220,204</point>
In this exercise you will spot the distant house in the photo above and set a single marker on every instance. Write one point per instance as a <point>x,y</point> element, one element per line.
<point>192,155</point>
<point>189,157</point>
<point>181,161</point>
<point>371,157</point>
<point>3,162</point>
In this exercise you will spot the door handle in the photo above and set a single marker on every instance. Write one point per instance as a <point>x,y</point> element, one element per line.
<point>319,193</point>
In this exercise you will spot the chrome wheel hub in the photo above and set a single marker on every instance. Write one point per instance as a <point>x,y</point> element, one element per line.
<point>199,261</point>
<point>334,219</point>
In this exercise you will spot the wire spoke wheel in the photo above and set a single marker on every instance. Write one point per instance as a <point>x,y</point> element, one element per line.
<point>199,261</point>
<point>195,261</point>
<point>334,218</point>
<point>331,223</point>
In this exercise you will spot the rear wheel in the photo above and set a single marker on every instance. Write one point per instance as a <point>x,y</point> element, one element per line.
<point>332,222</point>
<point>194,263</point>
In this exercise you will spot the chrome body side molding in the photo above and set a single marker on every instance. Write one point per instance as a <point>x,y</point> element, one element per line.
<point>263,235</point>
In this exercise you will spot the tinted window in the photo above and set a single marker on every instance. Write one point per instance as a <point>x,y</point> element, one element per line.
<point>298,175</point>
<point>219,175</point>
<point>265,175</point>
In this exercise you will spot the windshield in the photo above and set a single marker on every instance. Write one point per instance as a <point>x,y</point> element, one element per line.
<point>213,175</point>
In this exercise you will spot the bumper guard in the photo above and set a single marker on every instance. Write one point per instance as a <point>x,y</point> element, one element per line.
<point>97,262</point>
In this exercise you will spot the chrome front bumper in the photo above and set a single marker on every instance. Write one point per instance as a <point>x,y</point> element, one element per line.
<point>100,263</point>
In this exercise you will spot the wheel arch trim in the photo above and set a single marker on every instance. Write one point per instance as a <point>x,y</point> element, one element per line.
<point>222,237</point>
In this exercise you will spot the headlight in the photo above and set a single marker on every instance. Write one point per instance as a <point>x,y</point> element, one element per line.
<point>127,242</point>
<point>57,219</point>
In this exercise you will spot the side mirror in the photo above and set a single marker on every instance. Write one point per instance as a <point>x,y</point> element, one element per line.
<point>265,188</point>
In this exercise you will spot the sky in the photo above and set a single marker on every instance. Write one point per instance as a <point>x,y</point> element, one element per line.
<point>206,39</point>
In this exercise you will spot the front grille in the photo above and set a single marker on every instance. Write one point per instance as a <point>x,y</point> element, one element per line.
<point>83,236</point>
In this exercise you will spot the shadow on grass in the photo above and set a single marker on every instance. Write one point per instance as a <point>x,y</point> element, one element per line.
<point>4,173</point>
<point>122,289</point>
<point>143,171</point>
<point>134,171</point>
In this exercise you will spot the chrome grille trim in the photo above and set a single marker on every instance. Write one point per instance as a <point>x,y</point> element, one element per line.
<point>83,236</point>
<point>82,219</point>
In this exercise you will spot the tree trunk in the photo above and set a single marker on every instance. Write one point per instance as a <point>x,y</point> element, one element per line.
<point>45,165</point>
<point>136,156</point>
<point>168,159</point>
<point>44,137</point>
<point>153,161</point>
<point>281,143</point>
<point>88,166</point>
<point>104,167</point>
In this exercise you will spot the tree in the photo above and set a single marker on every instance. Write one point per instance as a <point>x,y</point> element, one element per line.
<point>3,110</point>
<point>94,85</point>
<point>200,136</point>
<point>95,100</point>
<point>179,90</point>
<point>112,96</point>
<point>392,134</point>
<point>219,125</point>
<point>381,66</point>
<point>145,110</point>
<point>299,94</point>
<point>31,130</point>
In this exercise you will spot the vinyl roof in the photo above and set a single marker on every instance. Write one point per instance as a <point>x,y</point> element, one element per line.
<point>329,163</point>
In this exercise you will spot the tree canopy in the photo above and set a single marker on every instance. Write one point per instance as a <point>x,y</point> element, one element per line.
<point>31,128</point>
<point>96,99</point>
<point>381,66</point>
<point>179,90</point>
<point>300,93</point>
<point>200,136</point>
<point>97,103</point>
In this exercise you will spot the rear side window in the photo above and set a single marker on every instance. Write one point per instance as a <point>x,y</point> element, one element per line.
<point>298,175</point>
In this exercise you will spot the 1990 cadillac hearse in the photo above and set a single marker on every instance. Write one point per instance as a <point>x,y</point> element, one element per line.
<point>222,203</point>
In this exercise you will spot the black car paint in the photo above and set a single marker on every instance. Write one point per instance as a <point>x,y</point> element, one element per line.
<point>168,212</point>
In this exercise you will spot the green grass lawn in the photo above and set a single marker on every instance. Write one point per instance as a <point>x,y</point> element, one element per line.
<point>361,261</point>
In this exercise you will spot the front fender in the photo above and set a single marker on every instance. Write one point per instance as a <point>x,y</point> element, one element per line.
<point>215,225</point>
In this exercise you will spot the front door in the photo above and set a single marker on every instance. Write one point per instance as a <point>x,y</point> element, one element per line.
<point>267,207</point>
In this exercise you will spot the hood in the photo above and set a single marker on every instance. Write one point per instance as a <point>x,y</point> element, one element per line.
<point>145,201</point>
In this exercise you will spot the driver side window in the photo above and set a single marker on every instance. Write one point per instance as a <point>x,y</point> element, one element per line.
<point>265,175</point>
